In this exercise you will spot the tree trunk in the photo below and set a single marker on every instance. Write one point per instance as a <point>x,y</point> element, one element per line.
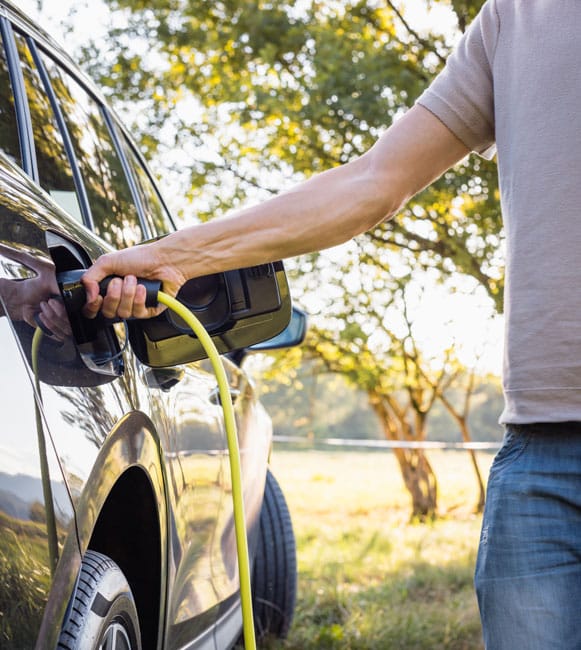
<point>420,481</point>
<point>481,491</point>
<point>462,421</point>
<point>417,473</point>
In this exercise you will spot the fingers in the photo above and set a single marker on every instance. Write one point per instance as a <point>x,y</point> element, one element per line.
<point>124,299</point>
<point>90,280</point>
<point>94,299</point>
<point>53,319</point>
<point>139,308</point>
<point>114,298</point>
<point>118,300</point>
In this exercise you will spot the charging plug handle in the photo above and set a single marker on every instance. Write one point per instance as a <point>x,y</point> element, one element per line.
<point>74,295</point>
<point>152,288</point>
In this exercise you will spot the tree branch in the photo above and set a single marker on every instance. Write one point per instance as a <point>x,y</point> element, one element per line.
<point>422,41</point>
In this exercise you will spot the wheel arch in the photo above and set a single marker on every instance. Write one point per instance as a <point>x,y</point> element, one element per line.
<point>128,531</point>
<point>122,512</point>
<point>128,465</point>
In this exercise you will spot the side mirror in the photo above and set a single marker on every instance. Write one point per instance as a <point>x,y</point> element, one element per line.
<point>238,308</point>
<point>293,334</point>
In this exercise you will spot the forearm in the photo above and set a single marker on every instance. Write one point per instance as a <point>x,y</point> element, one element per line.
<point>327,210</point>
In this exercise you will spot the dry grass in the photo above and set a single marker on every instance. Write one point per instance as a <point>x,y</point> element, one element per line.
<point>369,579</point>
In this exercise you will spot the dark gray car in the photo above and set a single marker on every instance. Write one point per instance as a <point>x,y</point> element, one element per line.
<point>116,519</point>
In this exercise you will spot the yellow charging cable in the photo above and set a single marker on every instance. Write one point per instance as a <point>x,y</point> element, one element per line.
<point>234,454</point>
<point>231,436</point>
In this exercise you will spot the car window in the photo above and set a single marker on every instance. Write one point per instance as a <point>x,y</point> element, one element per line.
<point>156,214</point>
<point>55,174</point>
<point>114,214</point>
<point>8,128</point>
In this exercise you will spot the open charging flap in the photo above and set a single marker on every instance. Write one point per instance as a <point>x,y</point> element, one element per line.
<point>238,309</point>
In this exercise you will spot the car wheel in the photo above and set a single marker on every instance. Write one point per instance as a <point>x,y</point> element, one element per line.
<point>102,614</point>
<point>274,576</point>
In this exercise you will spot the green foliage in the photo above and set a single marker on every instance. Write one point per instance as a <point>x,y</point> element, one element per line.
<point>256,93</point>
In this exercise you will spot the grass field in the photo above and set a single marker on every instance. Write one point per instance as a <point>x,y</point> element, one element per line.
<point>369,579</point>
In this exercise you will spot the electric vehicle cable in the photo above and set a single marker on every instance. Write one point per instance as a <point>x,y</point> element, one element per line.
<point>73,293</point>
<point>234,455</point>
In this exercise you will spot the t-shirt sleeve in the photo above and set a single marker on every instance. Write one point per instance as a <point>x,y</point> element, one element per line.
<point>462,95</point>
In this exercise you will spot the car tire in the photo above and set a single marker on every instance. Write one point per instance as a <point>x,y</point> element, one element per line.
<point>102,612</point>
<point>274,575</point>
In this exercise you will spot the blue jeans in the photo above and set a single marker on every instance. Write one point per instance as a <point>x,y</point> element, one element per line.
<point>528,571</point>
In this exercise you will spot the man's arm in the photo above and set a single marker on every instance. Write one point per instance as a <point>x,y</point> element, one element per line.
<point>328,209</point>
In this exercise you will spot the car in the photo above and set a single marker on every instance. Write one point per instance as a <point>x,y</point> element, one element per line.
<point>116,516</point>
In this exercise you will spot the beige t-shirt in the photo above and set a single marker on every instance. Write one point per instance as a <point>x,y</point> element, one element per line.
<point>514,83</point>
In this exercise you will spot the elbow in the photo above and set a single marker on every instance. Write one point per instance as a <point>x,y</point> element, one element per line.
<point>386,191</point>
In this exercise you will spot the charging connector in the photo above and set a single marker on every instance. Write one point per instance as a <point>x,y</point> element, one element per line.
<point>74,295</point>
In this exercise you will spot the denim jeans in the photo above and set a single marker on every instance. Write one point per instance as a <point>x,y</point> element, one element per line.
<point>528,571</point>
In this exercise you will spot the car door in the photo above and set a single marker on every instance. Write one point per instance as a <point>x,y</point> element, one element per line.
<point>78,163</point>
<point>36,513</point>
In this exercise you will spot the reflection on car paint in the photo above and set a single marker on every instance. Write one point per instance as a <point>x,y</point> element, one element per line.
<point>254,438</point>
<point>194,463</point>
<point>25,560</point>
<point>97,451</point>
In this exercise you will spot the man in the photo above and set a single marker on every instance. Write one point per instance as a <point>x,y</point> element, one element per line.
<point>513,83</point>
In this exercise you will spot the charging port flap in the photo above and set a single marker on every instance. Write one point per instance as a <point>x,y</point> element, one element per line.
<point>238,308</point>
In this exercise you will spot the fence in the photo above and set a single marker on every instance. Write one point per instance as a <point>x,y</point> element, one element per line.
<point>388,444</point>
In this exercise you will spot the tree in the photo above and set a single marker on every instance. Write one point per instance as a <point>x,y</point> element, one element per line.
<point>465,382</point>
<point>399,396</point>
<point>254,95</point>
<point>372,344</point>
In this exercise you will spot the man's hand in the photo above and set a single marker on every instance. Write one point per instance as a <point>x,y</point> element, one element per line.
<point>125,298</point>
<point>35,300</point>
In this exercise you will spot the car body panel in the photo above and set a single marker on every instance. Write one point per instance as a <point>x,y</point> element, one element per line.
<point>102,429</point>
<point>75,434</point>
